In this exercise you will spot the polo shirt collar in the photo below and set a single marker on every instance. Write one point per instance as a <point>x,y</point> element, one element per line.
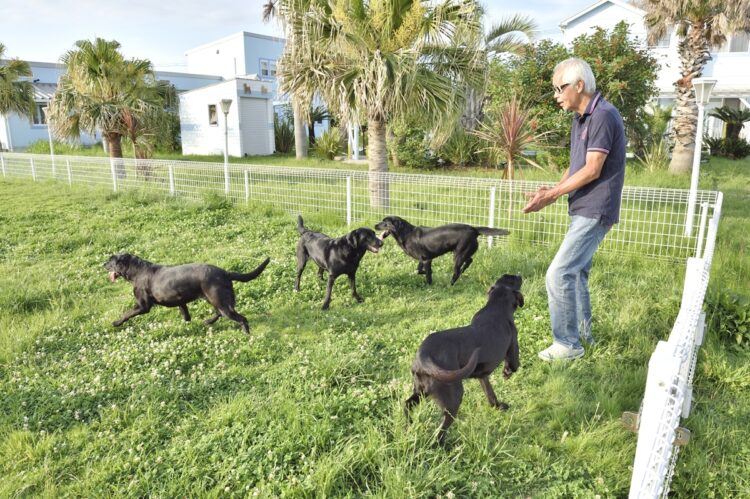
<point>590,108</point>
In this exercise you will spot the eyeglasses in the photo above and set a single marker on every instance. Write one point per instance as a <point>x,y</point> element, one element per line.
<point>561,88</point>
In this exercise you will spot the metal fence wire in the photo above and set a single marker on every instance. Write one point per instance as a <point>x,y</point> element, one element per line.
<point>652,221</point>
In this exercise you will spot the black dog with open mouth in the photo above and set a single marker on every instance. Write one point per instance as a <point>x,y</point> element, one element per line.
<point>178,285</point>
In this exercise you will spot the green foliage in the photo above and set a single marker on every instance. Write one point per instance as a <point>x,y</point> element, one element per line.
<point>16,90</point>
<point>655,157</point>
<point>283,133</point>
<point>461,149</point>
<point>411,146</point>
<point>729,317</point>
<point>625,74</point>
<point>328,145</point>
<point>728,148</point>
<point>734,118</point>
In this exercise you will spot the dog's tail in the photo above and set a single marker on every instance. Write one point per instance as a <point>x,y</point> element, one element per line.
<point>236,276</point>
<point>301,225</point>
<point>489,231</point>
<point>446,376</point>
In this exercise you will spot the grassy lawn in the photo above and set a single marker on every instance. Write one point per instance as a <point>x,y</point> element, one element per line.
<point>310,405</point>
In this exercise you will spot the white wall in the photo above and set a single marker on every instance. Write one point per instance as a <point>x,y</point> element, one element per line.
<point>199,137</point>
<point>222,57</point>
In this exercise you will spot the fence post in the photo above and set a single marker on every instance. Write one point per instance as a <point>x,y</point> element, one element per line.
<point>2,162</point>
<point>70,173</point>
<point>170,169</point>
<point>247,186</point>
<point>348,200</point>
<point>702,230</point>
<point>33,169</point>
<point>491,220</point>
<point>114,174</point>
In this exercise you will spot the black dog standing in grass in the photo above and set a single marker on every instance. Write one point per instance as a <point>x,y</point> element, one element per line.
<point>337,256</point>
<point>446,358</point>
<point>178,285</point>
<point>426,243</point>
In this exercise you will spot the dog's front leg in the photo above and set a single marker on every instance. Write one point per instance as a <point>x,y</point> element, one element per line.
<point>139,309</point>
<point>427,267</point>
<point>353,285</point>
<point>329,289</point>
<point>490,393</point>
<point>185,313</point>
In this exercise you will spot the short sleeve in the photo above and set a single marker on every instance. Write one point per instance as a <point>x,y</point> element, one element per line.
<point>601,133</point>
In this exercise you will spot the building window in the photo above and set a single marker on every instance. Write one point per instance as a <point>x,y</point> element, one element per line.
<point>740,42</point>
<point>663,42</point>
<point>267,68</point>
<point>213,118</point>
<point>39,117</point>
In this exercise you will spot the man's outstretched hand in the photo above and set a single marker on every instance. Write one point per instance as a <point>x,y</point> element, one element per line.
<point>544,196</point>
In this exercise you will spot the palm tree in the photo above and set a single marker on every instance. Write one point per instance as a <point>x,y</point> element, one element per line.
<point>16,95</point>
<point>734,118</point>
<point>380,60</point>
<point>291,13</point>
<point>701,24</point>
<point>508,36</point>
<point>101,90</point>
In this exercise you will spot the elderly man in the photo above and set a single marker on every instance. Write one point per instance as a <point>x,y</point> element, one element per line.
<point>593,183</point>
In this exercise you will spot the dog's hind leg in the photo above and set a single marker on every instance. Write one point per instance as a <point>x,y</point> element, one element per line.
<point>185,313</point>
<point>490,393</point>
<point>321,270</point>
<point>463,259</point>
<point>448,397</point>
<point>353,286</point>
<point>213,318</point>
<point>230,313</point>
<point>427,267</point>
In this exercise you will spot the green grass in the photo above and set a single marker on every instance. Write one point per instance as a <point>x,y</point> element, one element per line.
<point>310,405</point>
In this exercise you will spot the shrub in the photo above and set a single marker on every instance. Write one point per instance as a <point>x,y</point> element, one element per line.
<point>655,157</point>
<point>732,148</point>
<point>460,149</point>
<point>283,132</point>
<point>412,148</point>
<point>328,145</point>
<point>729,316</point>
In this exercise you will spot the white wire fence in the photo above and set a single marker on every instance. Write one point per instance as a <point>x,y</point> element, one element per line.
<point>652,220</point>
<point>669,385</point>
<point>652,224</point>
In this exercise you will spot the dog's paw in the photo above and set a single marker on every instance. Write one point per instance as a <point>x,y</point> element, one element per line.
<point>117,323</point>
<point>502,406</point>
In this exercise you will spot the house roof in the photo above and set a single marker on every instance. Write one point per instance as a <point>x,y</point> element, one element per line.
<point>620,3</point>
<point>44,91</point>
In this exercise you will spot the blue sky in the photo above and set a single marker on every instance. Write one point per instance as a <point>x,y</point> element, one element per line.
<point>162,30</point>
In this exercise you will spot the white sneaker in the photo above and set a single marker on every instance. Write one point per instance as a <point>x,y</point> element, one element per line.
<point>560,352</point>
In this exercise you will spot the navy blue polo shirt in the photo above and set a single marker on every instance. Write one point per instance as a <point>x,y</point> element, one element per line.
<point>599,128</point>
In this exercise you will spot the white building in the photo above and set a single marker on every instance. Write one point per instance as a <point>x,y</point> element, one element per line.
<point>729,64</point>
<point>247,64</point>
<point>241,67</point>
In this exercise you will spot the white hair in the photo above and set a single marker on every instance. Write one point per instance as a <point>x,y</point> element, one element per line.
<point>574,69</point>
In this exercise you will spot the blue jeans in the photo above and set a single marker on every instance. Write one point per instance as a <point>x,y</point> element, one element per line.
<point>568,281</point>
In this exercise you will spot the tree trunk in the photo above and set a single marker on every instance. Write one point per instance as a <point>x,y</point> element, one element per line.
<point>377,159</point>
<point>391,144</point>
<point>114,140</point>
<point>473,109</point>
<point>300,132</point>
<point>694,53</point>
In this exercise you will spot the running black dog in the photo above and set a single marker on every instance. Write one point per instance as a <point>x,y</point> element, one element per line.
<point>337,256</point>
<point>178,285</point>
<point>446,358</point>
<point>426,243</point>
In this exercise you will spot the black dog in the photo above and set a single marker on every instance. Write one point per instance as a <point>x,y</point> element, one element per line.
<point>338,256</point>
<point>426,243</point>
<point>446,358</point>
<point>178,285</point>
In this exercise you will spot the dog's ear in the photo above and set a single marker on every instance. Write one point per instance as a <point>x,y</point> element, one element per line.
<point>353,238</point>
<point>519,299</point>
